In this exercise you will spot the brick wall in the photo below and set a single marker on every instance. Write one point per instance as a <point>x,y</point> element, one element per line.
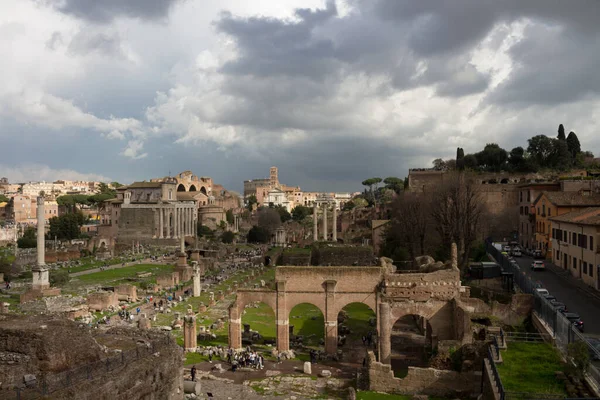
<point>136,223</point>
<point>342,255</point>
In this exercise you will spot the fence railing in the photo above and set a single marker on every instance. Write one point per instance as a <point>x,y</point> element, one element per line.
<point>526,337</point>
<point>495,374</point>
<point>51,383</point>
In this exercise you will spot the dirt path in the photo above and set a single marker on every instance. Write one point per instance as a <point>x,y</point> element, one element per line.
<point>116,266</point>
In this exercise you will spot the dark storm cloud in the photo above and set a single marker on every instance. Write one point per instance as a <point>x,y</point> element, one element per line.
<point>85,42</point>
<point>102,11</point>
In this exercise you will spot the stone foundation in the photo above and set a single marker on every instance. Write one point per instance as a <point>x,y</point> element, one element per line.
<point>102,300</point>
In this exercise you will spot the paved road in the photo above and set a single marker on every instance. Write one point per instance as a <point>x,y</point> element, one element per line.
<point>587,307</point>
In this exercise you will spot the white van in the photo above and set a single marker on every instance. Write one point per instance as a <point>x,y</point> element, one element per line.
<point>542,291</point>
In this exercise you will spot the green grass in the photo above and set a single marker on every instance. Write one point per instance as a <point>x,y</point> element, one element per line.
<point>359,315</point>
<point>313,330</point>
<point>377,396</point>
<point>530,367</point>
<point>297,250</point>
<point>112,275</point>
<point>262,320</point>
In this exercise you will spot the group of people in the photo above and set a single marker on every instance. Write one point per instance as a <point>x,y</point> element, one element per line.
<point>368,340</point>
<point>247,358</point>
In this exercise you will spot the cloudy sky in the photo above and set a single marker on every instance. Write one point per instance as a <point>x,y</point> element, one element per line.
<point>331,92</point>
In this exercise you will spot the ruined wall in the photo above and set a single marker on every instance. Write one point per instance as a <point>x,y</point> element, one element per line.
<point>102,300</point>
<point>427,381</point>
<point>342,255</point>
<point>442,285</point>
<point>136,223</point>
<point>294,258</point>
<point>126,292</point>
<point>514,313</point>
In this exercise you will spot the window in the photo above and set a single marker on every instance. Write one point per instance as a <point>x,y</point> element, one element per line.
<point>557,255</point>
<point>543,209</point>
<point>574,262</point>
<point>584,241</point>
<point>549,212</point>
<point>528,195</point>
<point>521,196</point>
<point>574,239</point>
<point>521,210</point>
<point>526,210</point>
<point>591,270</point>
<point>591,243</point>
<point>538,210</point>
<point>585,267</point>
<point>565,236</point>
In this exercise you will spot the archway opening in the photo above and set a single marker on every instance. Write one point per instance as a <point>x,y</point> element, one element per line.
<point>193,189</point>
<point>307,328</point>
<point>181,188</point>
<point>258,325</point>
<point>411,343</point>
<point>357,331</point>
<point>203,190</point>
<point>504,181</point>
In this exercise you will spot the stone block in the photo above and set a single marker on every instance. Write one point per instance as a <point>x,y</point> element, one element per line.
<point>307,368</point>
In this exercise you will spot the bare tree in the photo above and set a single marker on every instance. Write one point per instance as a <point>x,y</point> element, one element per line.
<point>457,212</point>
<point>411,216</point>
<point>269,219</point>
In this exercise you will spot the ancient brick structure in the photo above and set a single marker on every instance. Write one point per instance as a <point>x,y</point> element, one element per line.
<point>434,296</point>
<point>102,300</point>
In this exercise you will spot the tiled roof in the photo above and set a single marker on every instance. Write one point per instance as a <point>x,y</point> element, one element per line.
<point>140,185</point>
<point>586,216</point>
<point>575,199</point>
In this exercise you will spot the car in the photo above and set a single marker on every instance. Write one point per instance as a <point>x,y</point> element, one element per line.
<point>575,320</point>
<point>506,248</point>
<point>558,306</point>
<point>541,291</point>
<point>538,265</point>
<point>549,297</point>
<point>516,252</point>
<point>537,254</point>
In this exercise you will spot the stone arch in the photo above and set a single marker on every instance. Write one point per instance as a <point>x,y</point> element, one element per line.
<point>356,320</point>
<point>181,188</point>
<point>102,243</point>
<point>193,188</point>
<point>411,342</point>
<point>203,190</point>
<point>504,181</point>
<point>313,329</point>
<point>236,310</point>
<point>258,324</point>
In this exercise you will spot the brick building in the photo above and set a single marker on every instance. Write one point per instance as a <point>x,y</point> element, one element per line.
<point>575,245</point>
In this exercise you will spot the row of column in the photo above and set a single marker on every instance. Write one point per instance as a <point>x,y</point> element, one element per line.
<point>177,221</point>
<point>316,222</point>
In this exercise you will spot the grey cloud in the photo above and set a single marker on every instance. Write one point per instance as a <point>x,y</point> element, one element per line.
<point>553,66</point>
<point>55,40</point>
<point>102,11</point>
<point>86,42</point>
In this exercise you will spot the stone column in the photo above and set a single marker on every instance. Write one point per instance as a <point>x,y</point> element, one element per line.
<point>385,333</point>
<point>331,328</point>
<point>281,319</point>
<point>325,223</point>
<point>334,225</point>
<point>454,256</point>
<point>315,223</point>
<point>235,328</point>
<point>197,288</point>
<point>190,342</point>
<point>168,222</point>
<point>41,232</point>
<point>177,222</point>
<point>160,223</point>
<point>182,244</point>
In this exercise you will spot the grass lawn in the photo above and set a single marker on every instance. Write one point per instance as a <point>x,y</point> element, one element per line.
<point>359,315</point>
<point>530,367</point>
<point>111,275</point>
<point>308,321</point>
<point>261,319</point>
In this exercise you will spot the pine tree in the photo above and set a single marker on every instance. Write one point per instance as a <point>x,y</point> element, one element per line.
<point>573,144</point>
<point>561,132</point>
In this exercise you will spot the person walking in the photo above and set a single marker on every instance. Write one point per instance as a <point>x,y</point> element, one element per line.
<point>193,373</point>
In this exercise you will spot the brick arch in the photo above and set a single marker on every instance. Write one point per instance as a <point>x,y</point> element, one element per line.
<point>246,297</point>
<point>297,300</point>
<point>347,299</point>
<point>426,310</point>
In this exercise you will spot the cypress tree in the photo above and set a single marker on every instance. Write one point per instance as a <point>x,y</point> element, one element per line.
<point>561,132</point>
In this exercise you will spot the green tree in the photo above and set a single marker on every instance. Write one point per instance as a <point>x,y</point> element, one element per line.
<point>560,158</point>
<point>204,231</point>
<point>67,226</point>
<point>269,219</point>
<point>300,212</point>
<point>460,159</point>
<point>116,185</point>
<point>284,214</point>
<point>573,145</point>
<point>541,148</point>
<point>29,239</point>
<point>492,157</point>
<point>251,200</point>
<point>4,199</point>
<point>580,355</point>
<point>227,237</point>
<point>258,234</point>
<point>516,159</point>
<point>229,217</point>
<point>470,161</point>
<point>393,183</point>
<point>561,132</point>
<point>370,183</point>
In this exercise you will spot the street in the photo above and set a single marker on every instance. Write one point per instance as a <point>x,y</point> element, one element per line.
<point>587,308</point>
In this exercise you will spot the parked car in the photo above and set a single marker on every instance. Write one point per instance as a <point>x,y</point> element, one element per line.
<point>538,265</point>
<point>537,254</point>
<point>575,319</point>
<point>549,297</point>
<point>594,345</point>
<point>506,248</point>
<point>516,252</point>
<point>558,306</point>
<point>541,291</point>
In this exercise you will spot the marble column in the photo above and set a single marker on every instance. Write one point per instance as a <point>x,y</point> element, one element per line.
<point>315,223</point>
<point>325,223</point>
<point>41,224</point>
<point>169,223</point>
<point>235,331</point>
<point>385,333</point>
<point>334,227</point>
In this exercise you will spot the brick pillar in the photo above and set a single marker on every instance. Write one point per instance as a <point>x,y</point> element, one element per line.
<point>235,331</point>
<point>331,329</point>
<point>189,333</point>
<point>282,319</point>
<point>385,333</point>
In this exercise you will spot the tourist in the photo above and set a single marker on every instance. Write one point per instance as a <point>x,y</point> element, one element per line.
<point>234,365</point>
<point>261,362</point>
<point>193,371</point>
<point>138,310</point>
<point>364,340</point>
<point>278,358</point>
<point>210,356</point>
<point>229,352</point>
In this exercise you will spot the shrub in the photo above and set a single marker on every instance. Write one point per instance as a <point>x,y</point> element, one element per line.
<point>227,237</point>
<point>59,277</point>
